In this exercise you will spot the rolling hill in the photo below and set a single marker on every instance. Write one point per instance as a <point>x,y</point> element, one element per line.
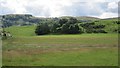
<point>111,24</point>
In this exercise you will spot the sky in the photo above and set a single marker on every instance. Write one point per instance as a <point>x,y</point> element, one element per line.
<point>57,8</point>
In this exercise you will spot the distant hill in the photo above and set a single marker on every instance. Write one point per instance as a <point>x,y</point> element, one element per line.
<point>114,18</point>
<point>19,19</point>
<point>89,24</point>
<point>83,18</point>
<point>87,18</point>
<point>28,19</point>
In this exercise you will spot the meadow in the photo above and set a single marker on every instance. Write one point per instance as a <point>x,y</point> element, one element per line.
<point>27,49</point>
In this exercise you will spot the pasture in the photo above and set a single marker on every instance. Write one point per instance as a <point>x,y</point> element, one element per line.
<point>27,49</point>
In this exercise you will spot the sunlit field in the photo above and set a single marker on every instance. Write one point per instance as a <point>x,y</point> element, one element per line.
<point>60,50</point>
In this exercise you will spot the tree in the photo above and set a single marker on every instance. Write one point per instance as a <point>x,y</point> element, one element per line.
<point>71,26</point>
<point>65,28</point>
<point>71,29</point>
<point>63,21</point>
<point>72,20</point>
<point>42,29</point>
<point>74,29</point>
<point>55,28</point>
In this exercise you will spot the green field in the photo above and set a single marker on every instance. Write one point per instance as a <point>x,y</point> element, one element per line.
<point>27,49</point>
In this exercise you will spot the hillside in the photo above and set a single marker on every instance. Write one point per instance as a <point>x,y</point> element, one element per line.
<point>21,30</point>
<point>28,19</point>
<point>87,18</point>
<point>88,24</point>
<point>112,24</point>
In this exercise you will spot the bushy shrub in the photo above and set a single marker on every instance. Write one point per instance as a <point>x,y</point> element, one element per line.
<point>98,26</point>
<point>42,29</point>
<point>99,31</point>
<point>95,31</point>
<point>71,29</point>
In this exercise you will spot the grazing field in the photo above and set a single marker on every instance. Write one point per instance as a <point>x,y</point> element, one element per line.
<point>21,30</point>
<point>61,50</point>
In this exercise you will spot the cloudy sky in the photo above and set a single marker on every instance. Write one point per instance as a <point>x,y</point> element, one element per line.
<point>56,8</point>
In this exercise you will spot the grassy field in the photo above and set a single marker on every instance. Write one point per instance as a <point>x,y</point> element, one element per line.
<point>26,49</point>
<point>21,31</point>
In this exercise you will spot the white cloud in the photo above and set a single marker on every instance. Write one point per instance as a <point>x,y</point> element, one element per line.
<point>53,8</point>
<point>14,5</point>
<point>113,7</point>
<point>108,15</point>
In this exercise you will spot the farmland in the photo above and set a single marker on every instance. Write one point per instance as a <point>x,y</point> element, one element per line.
<point>68,41</point>
<point>27,49</point>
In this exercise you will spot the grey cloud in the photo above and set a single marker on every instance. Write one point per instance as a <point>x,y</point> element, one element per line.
<point>38,11</point>
<point>113,10</point>
<point>83,9</point>
<point>76,9</point>
<point>5,10</point>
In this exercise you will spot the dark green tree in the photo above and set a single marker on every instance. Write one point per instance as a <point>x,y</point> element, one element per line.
<point>71,26</point>
<point>72,20</point>
<point>74,29</point>
<point>71,29</point>
<point>55,28</point>
<point>63,21</point>
<point>42,29</point>
<point>65,28</point>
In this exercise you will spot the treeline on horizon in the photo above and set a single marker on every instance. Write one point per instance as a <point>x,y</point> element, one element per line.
<point>62,25</point>
<point>68,26</point>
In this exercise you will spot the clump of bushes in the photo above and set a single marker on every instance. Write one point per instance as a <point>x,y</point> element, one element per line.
<point>93,28</point>
<point>63,26</point>
<point>42,29</point>
<point>68,26</point>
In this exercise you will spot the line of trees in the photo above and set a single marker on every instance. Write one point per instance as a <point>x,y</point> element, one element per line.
<point>68,26</point>
<point>63,26</point>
